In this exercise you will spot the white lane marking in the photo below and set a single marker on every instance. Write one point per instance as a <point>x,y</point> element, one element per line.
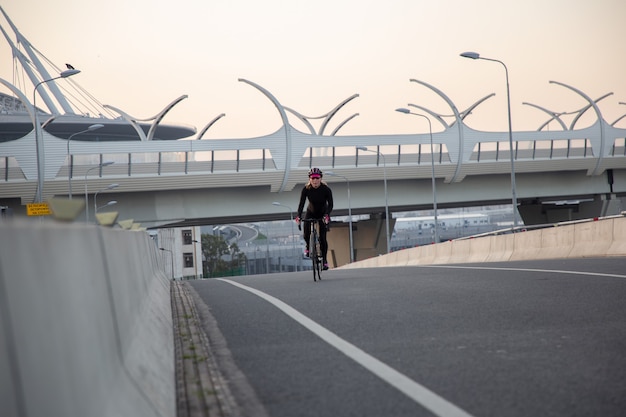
<point>418,393</point>
<point>557,271</point>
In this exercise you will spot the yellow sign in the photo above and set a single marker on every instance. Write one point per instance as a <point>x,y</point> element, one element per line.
<point>38,209</point>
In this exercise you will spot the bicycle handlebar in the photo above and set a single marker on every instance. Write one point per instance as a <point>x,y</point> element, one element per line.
<point>312,221</point>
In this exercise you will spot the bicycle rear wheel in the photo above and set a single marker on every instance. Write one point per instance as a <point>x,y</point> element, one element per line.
<point>320,263</point>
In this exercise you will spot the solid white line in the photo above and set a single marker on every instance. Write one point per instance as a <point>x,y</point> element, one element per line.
<point>557,271</point>
<point>418,393</point>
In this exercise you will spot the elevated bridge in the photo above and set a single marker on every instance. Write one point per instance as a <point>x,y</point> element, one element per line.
<point>560,175</point>
<point>215,181</point>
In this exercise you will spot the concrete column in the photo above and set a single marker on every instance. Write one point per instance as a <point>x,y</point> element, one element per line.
<point>369,238</point>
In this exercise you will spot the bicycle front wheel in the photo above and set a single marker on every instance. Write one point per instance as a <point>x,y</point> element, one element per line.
<point>315,256</point>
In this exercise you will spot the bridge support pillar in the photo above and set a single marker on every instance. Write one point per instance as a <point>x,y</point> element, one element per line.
<point>369,240</point>
<point>545,212</point>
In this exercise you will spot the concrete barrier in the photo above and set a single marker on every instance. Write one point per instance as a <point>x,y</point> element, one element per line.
<point>479,249</point>
<point>526,245</point>
<point>86,323</point>
<point>421,255</point>
<point>603,237</point>
<point>618,245</point>
<point>556,242</point>
<point>502,248</point>
<point>443,252</point>
<point>592,239</point>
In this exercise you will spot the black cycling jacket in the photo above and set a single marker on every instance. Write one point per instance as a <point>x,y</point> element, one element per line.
<point>320,201</point>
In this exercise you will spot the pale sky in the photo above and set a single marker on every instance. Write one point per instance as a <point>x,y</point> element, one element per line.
<point>140,55</point>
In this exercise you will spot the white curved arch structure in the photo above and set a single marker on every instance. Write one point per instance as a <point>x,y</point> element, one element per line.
<point>208,125</point>
<point>619,118</point>
<point>130,119</point>
<point>342,124</point>
<point>464,114</point>
<point>334,111</point>
<point>286,163</point>
<point>156,118</point>
<point>553,116</point>
<point>600,122</point>
<point>459,153</point>
<point>464,152</point>
<point>327,117</point>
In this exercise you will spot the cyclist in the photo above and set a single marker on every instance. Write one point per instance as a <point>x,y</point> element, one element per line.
<point>320,205</point>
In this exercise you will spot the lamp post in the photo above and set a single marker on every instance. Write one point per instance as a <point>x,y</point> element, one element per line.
<point>363,148</point>
<point>267,249</point>
<point>201,257</point>
<point>332,174</point>
<point>95,196</point>
<point>293,240</point>
<point>171,260</point>
<point>476,55</point>
<point>103,164</point>
<point>432,166</point>
<point>38,135</point>
<point>69,173</point>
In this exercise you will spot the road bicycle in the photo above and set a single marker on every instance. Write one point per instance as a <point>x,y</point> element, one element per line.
<point>315,248</point>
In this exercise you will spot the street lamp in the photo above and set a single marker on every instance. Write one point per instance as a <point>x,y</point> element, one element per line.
<point>476,55</point>
<point>171,259</point>
<point>363,148</point>
<point>432,165</point>
<point>38,142</point>
<point>293,240</point>
<point>332,174</point>
<point>69,173</point>
<point>110,203</point>
<point>95,196</point>
<point>104,164</point>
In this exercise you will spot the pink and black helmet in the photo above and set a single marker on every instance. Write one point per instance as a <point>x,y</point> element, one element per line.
<point>315,173</point>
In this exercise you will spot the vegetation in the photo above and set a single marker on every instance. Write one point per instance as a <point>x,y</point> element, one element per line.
<point>220,258</point>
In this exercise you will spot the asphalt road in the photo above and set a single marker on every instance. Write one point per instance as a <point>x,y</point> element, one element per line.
<point>540,338</point>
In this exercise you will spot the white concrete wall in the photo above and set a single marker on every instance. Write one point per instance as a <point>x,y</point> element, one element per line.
<point>603,237</point>
<point>86,324</point>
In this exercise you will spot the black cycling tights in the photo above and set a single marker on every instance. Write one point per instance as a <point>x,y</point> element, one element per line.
<point>323,241</point>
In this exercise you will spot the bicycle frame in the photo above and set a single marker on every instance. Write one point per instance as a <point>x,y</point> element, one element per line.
<point>315,249</point>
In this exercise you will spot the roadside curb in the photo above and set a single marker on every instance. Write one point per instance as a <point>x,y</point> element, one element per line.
<point>200,389</point>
